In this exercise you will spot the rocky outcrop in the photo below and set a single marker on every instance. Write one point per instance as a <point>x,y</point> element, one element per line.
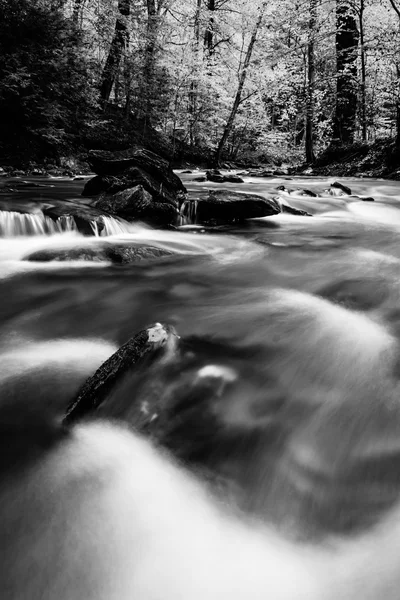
<point>117,254</point>
<point>148,188</point>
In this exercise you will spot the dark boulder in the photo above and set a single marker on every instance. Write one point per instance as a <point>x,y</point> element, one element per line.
<point>363,198</point>
<point>216,177</point>
<point>117,254</point>
<point>135,184</point>
<point>224,206</point>
<point>200,179</point>
<point>233,179</point>
<point>146,164</point>
<point>339,186</point>
<point>297,191</point>
<point>137,203</point>
<point>143,349</point>
<point>132,177</point>
<point>285,208</point>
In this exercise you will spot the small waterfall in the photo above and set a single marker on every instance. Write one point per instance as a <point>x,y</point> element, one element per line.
<point>14,224</point>
<point>113,226</point>
<point>189,212</point>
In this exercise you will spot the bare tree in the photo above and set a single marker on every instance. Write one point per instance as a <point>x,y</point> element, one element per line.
<point>242,81</point>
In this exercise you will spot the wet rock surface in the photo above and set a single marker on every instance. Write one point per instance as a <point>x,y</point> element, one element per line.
<point>137,203</point>
<point>149,345</point>
<point>145,179</point>
<point>224,206</point>
<point>116,253</point>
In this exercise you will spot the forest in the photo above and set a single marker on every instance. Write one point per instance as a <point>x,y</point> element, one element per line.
<point>239,81</point>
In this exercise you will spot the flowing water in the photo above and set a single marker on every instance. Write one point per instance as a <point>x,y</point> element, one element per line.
<point>297,318</point>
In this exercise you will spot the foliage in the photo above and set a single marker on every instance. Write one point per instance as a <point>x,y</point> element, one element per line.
<point>45,96</point>
<point>176,74</point>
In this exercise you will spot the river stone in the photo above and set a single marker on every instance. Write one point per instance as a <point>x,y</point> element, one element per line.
<point>224,206</point>
<point>217,177</point>
<point>137,203</point>
<point>121,170</point>
<point>117,254</point>
<point>149,345</point>
<point>340,186</point>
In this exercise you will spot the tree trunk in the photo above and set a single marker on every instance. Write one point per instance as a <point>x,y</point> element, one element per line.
<point>149,59</point>
<point>209,32</point>
<point>309,121</point>
<point>117,47</point>
<point>363,98</point>
<point>242,81</point>
<point>193,92</point>
<point>397,10</point>
<point>347,37</point>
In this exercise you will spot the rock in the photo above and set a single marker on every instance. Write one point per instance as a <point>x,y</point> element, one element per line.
<point>297,192</point>
<point>340,186</point>
<point>151,167</point>
<point>137,203</point>
<point>233,179</point>
<point>285,208</point>
<point>187,172</point>
<point>83,215</point>
<point>261,173</point>
<point>224,206</point>
<point>135,184</point>
<point>200,179</point>
<point>216,177</point>
<point>148,345</point>
<point>78,178</point>
<point>363,198</point>
<point>118,254</point>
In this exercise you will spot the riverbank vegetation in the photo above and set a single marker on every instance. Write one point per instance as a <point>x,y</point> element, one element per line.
<point>202,81</point>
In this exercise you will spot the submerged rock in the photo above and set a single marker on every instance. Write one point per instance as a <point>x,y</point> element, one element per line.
<point>118,254</point>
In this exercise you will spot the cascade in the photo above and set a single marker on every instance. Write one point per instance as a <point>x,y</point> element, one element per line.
<point>14,224</point>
